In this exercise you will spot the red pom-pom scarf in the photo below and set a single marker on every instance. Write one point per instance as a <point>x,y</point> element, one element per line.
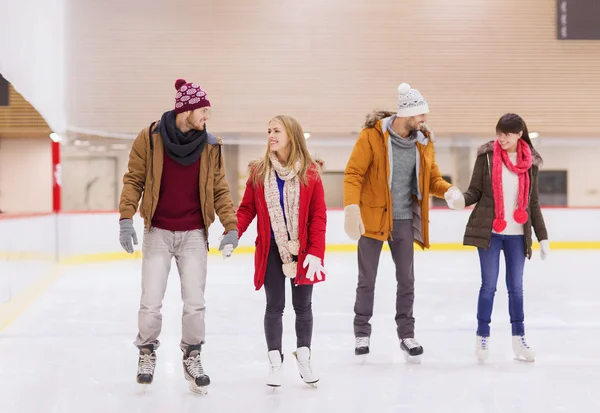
<point>524,162</point>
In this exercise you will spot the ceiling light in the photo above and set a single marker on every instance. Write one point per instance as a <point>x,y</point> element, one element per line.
<point>534,135</point>
<point>55,137</point>
<point>306,135</point>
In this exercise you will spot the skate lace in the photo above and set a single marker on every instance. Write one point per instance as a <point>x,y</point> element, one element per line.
<point>146,364</point>
<point>194,366</point>
<point>523,342</point>
<point>275,369</point>
<point>411,343</point>
<point>362,341</point>
<point>484,342</point>
<point>306,367</point>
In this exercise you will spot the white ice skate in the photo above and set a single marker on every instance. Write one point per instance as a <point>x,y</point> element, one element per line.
<point>302,356</point>
<point>522,350</point>
<point>481,348</point>
<point>276,359</point>
<point>412,350</point>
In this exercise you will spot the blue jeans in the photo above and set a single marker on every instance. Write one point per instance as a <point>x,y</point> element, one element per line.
<point>514,256</point>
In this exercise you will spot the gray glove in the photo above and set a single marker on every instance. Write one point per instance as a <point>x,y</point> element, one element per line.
<point>126,234</point>
<point>231,238</point>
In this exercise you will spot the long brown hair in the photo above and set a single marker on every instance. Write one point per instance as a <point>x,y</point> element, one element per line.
<point>299,151</point>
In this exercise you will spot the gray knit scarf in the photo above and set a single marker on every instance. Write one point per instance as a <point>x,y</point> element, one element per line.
<point>398,140</point>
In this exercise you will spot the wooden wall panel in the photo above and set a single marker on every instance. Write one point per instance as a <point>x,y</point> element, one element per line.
<point>330,62</point>
<point>21,120</point>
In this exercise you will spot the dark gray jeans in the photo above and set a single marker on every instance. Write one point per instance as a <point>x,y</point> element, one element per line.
<point>275,292</point>
<point>402,249</point>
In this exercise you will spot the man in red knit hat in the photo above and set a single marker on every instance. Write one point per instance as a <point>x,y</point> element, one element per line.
<point>176,168</point>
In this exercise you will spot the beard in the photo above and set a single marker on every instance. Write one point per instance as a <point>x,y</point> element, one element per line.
<point>414,128</point>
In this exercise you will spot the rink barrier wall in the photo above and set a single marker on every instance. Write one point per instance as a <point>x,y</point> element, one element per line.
<point>83,237</point>
<point>34,248</point>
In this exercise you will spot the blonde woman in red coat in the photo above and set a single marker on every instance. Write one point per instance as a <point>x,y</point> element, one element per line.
<point>285,193</point>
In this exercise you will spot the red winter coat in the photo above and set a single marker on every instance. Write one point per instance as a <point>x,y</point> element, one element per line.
<point>312,220</point>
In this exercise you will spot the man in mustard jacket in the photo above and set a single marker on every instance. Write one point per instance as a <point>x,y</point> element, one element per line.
<point>176,168</point>
<point>387,183</point>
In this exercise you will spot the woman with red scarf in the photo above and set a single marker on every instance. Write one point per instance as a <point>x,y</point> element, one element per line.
<point>285,193</point>
<point>504,185</point>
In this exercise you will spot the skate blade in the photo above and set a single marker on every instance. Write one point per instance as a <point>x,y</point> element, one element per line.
<point>412,359</point>
<point>312,384</point>
<point>143,388</point>
<point>523,359</point>
<point>362,359</point>
<point>202,390</point>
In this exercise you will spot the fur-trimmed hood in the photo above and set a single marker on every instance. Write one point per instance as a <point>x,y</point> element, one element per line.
<point>372,119</point>
<point>489,147</point>
<point>375,116</point>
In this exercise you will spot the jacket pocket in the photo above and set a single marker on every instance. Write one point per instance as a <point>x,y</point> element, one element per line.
<point>373,218</point>
<point>373,197</point>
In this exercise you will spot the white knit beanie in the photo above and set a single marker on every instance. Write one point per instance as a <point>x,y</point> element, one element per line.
<point>410,102</point>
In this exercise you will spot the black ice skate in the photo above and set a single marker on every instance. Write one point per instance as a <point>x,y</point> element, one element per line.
<point>194,372</point>
<point>361,346</point>
<point>412,350</point>
<point>146,365</point>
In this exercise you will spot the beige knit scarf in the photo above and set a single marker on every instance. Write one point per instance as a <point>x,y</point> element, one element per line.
<point>286,236</point>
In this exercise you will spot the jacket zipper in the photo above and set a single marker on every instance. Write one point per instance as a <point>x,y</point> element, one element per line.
<point>389,192</point>
<point>151,180</point>
<point>205,201</point>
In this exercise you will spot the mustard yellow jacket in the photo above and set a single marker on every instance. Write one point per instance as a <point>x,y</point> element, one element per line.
<point>367,180</point>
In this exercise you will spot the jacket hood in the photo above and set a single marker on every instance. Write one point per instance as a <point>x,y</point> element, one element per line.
<point>375,116</point>
<point>489,147</point>
<point>372,121</point>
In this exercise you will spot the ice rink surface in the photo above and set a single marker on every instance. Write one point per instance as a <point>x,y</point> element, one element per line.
<point>72,349</point>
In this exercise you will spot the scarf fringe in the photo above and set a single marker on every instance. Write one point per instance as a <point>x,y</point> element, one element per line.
<point>284,229</point>
<point>289,269</point>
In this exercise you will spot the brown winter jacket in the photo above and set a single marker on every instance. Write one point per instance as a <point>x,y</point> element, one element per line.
<point>367,180</point>
<point>479,227</point>
<point>143,179</point>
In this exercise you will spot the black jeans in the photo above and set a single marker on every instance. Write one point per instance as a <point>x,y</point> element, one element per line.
<point>275,294</point>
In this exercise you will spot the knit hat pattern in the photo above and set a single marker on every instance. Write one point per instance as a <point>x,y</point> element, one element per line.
<point>410,102</point>
<point>189,96</point>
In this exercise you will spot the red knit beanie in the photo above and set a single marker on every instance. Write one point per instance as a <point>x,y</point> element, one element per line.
<point>189,96</point>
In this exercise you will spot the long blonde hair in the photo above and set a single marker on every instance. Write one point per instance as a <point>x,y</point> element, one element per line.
<point>299,151</point>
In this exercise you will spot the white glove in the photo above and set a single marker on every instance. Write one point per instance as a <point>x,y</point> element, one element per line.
<point>544,249</point>
<point>454,198</point>
<point>353,224</point>
<point>314,268</point>
<point>227,250</point>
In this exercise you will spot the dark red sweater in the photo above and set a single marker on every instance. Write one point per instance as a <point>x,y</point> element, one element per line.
<point>178,207</point>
